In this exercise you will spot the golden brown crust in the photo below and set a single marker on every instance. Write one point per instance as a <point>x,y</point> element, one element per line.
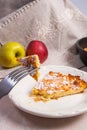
<point>56,85</point>
<point>31,61</point>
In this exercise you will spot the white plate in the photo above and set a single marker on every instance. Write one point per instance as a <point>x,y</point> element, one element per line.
<point>64,107</point>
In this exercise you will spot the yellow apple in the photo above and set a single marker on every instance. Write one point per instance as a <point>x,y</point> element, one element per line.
<point>10,52</point>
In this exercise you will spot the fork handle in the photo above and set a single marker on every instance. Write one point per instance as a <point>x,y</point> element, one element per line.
<point>4,88</point>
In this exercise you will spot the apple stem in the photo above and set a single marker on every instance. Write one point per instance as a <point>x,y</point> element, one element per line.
<point>1,44</point>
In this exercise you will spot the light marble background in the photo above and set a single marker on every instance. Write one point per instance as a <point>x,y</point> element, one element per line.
<point>81,4</point>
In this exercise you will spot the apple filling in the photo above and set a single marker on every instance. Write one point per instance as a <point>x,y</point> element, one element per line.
<point>31,61</point>
<point>55,85</point>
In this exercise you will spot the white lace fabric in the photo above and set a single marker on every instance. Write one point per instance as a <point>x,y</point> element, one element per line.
<point>58,23</point>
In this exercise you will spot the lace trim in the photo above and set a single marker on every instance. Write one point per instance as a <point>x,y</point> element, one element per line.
<point>11,17</point>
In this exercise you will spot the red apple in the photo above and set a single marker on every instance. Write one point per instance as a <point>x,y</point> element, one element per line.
<point>39,48</point>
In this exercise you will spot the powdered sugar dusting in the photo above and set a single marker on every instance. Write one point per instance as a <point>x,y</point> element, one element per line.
<point>54,81</point>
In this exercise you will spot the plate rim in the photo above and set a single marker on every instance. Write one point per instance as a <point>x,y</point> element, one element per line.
<point>58,115</point>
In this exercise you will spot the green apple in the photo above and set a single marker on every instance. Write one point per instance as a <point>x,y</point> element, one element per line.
<point>10,52</point>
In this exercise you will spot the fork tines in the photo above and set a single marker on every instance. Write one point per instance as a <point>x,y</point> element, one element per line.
<point>21,72</point>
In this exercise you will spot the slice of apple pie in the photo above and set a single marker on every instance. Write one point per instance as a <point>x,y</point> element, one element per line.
<point>31,61</point>
<point>55,85</point>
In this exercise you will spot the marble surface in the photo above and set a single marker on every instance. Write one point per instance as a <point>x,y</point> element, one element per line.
<point>81,4</point>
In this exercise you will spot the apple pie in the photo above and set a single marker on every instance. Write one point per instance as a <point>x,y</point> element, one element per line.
<point>31,61</point>
<point>55,85</point>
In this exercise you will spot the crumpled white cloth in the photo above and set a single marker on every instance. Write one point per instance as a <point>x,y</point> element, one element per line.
<point>58,23</point>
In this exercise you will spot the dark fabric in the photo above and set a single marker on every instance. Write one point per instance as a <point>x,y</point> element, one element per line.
<point>8,6</point>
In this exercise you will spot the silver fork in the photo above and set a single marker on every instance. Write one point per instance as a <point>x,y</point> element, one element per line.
<point>13,78</point>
